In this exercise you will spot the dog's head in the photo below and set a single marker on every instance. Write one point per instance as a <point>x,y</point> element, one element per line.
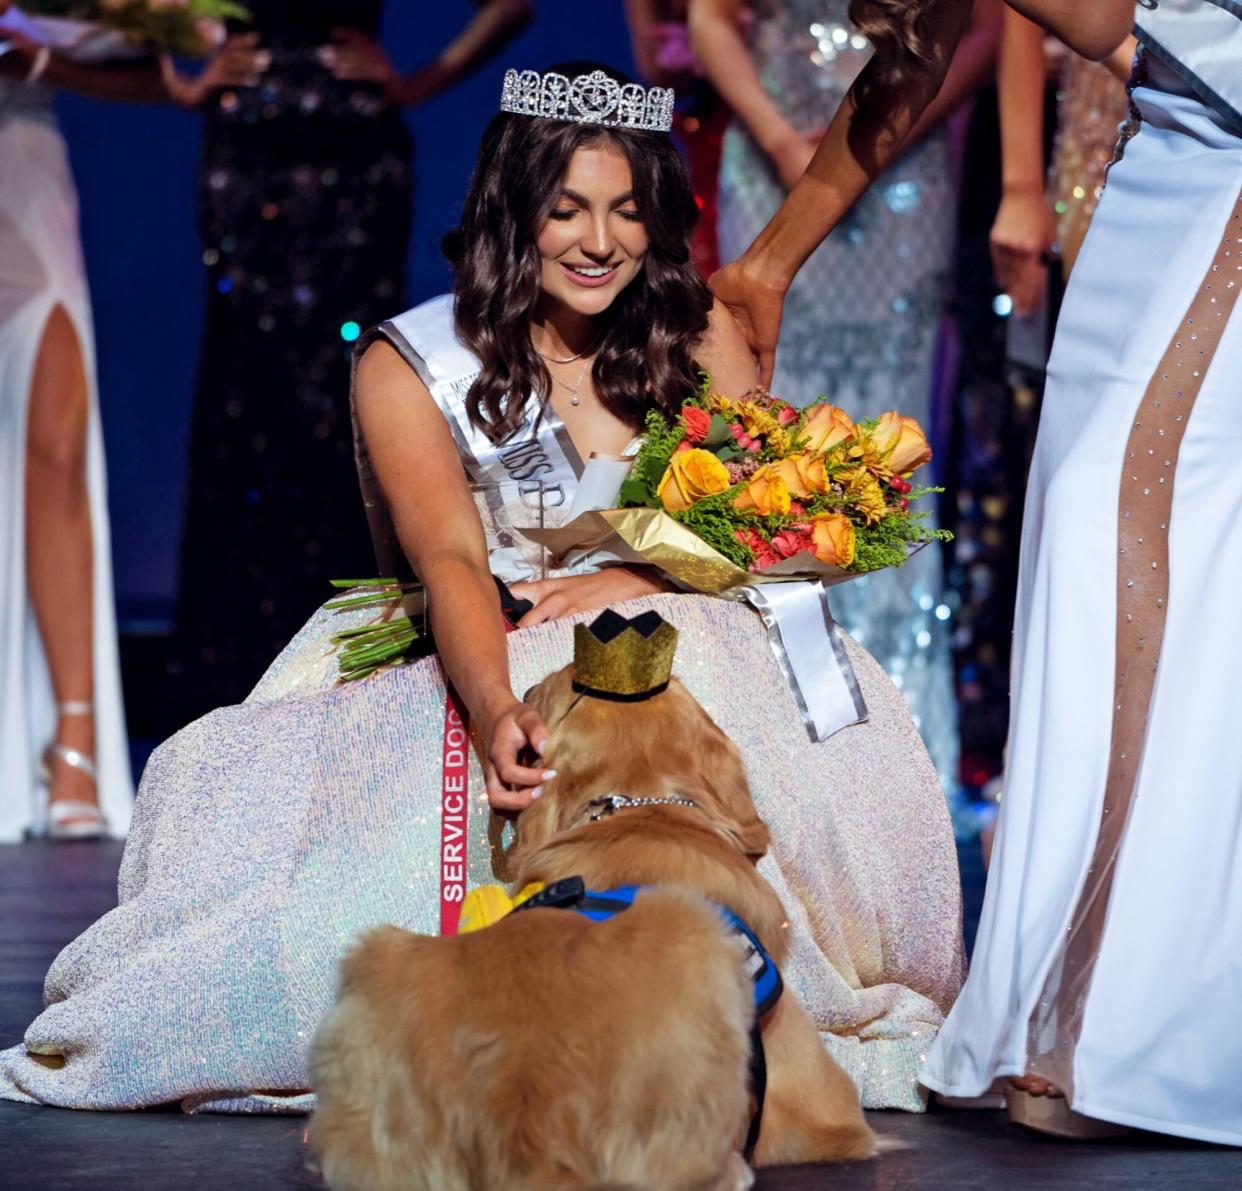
<point>665,744</point>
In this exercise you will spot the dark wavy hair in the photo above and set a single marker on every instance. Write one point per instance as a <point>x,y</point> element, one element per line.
<point>646,355</point>
<point>901,33</point>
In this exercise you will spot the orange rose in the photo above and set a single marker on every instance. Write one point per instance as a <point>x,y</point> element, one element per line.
<point>691,475</point>
<point>825,426</point>
<point>803,474</point>
<point>833,535</point>
<point>766,493</point>
<point>902,443</point>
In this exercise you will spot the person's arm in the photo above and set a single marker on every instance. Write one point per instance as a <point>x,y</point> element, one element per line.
<point>134,82</point>
<point>973,64</point>
<point>1121,61</point>
<point>438,525</point>
<point>867,131</point>
<point>716,34</point>
<point>1024,229</point>
<point>355,55</point>
<point>1092,28</point>
<point>860,141</point>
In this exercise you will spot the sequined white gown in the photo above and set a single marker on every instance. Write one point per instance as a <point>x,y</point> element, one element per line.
<point>860,321</point>
<point>1109,957</point>
<point>41,268</point>
<point>267,835</point>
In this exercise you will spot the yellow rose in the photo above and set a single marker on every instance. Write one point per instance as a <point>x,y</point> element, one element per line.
<point>766,493</point>
<point>803,474</point>
<point>826,426</point>
<point>833,535</point>
<point>865,494</point>
<point>691,475</point>
<point>902,443</point>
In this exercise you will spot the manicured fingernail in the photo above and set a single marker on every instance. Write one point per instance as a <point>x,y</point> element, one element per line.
<point>536,792</point>
<point>540,747</point>
<point>549,774</point>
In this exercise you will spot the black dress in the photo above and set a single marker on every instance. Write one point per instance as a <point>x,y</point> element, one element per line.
<point>305,218</point>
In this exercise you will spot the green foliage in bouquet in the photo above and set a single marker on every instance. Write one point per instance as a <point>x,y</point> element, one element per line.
<point>367,648</point>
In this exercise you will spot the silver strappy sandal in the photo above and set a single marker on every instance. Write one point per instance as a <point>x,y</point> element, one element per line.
<point>67,819</point>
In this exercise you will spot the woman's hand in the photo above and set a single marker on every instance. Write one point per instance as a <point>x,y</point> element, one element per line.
<point>511,735</point>
<point>357,57</point>
<point>554,598</point>
<point>238,63</point>
<point>756,304</point>
<point>1021,236</point>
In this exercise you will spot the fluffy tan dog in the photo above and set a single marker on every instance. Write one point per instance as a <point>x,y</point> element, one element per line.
<point>549,1051</point>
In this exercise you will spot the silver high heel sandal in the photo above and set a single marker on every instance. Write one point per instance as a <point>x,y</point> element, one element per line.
<point>67,819</point>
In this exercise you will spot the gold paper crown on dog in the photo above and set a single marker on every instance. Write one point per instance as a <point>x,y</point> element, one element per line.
<point>622,658</point>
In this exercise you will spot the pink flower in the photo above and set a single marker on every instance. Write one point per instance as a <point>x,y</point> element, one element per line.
<point>683,446</point>
<point>765,556</point>
<point>786,414</point>
<point>796,509</point>
<point>789,542</point>
<point>752,444</point>
<point>698,422</point>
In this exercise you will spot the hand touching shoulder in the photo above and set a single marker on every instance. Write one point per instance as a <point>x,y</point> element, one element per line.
<point>723,352</point>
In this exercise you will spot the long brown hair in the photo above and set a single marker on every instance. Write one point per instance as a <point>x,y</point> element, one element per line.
<point>900,32</point>
<point>646,355</point>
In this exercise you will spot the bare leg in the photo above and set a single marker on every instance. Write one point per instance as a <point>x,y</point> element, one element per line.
<point>59,560</point>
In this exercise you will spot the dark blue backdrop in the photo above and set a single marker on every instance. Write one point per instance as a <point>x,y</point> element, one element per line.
<point>135,170</point>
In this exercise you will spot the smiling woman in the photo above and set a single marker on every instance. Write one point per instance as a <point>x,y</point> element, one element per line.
<point>579,197</point>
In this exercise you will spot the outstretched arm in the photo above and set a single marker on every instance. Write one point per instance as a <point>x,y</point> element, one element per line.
<point>861,140</point>
<point>439,528</point>
<point>866,133</point>
<point>1092,28</point>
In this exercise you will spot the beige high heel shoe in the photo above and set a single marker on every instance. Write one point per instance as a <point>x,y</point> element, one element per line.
<point>68,819</point>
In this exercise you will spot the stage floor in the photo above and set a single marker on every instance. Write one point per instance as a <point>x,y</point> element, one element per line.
<point>49,893</point>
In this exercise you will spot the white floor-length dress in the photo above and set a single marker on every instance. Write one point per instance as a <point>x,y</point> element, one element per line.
<point>41,268</point>
<point>1109,957</point>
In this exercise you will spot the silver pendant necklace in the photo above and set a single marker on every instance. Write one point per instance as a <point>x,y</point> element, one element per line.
<point>572,390</point>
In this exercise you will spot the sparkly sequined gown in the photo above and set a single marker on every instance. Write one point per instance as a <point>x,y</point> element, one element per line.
<point>1107,959</point>
<point>304,204</point>
<point>267,835</point>
<point>860,321</point>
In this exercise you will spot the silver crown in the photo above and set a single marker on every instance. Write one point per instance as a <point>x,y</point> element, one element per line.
<point>588,99</point>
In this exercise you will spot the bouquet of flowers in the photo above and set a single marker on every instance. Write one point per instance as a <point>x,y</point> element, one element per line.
<point>763,482</point>
<point>95,29</point>
<point>729,493</point>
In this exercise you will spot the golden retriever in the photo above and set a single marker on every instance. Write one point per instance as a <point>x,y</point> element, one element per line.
<point>549,1051</point>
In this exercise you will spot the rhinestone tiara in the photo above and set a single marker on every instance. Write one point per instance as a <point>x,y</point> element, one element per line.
<point>593,98</point>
